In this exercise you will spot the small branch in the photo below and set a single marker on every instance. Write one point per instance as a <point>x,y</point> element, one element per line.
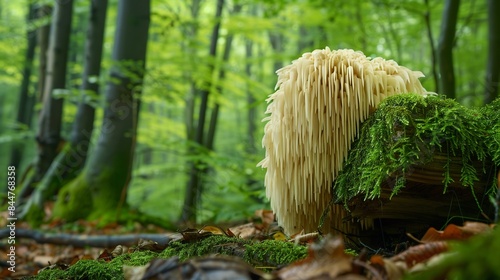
<point>100,241</point>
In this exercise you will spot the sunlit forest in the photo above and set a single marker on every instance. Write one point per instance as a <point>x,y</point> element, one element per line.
<point>155,107</point>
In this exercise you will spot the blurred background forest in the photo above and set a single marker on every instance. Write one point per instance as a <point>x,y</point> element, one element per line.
<point>210,65</point>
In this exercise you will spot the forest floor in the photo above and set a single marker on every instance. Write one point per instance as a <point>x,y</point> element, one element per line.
<point>266,251</point>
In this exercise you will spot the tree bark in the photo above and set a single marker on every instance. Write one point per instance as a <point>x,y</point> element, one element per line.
<point>194,184</point>
<point>251,148</point>
<point>72,158</point>
<point>23,116</point>
<point>428,26</point>
<point>43,35</point>
<point>107,173</point>
<point>445,47</point>
<point>493,64</point>
<point>49,132</point>
<point>84,120</point>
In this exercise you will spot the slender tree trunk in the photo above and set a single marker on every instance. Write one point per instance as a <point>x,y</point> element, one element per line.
<point>493,64</point>
<point>427,20</point>
<point>84,120</point>
<point>22,119</point>
<point>43,35</point>
<point>194,184</point>
<point>445,47</point>
<point>277,43</point>
<point>191,32</point>
<point>107,173</point>
<point>222,75</point>
<point>49,132</point>
<point>115,149</point>
<point>49,135</point>
<point>252,112</point>
<point>72,158</point>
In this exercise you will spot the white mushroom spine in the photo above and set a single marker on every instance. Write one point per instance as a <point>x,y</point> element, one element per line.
<point>314,116</point>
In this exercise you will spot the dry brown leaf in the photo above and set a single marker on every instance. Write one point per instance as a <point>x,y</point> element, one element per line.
<point>454,232</point>
<point>244,231</point>
<point>213,229</point>
<point>326,260</point>
<point>421,253</point>
<point>267,216</point>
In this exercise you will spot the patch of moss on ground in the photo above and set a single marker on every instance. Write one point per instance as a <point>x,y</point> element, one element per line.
<point>98,269</point>
<point>406,130</point>
<point>84,269</point>
<point>273,252</point>
<point>134,259</point>
<point>269,252</point>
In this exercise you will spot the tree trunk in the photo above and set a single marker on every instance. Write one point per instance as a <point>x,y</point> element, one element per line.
<point>251,148</point>
<point>107,173</point>
<point>493,64</point>
<point>445,47</point>
<point>84,120</point>
<point>49,133</point>
<point>43,34</point>
<point>194,184</point>
<point>23,116</point>
<point>67,166</point>
<point>428,26</point>
<point>277,43</point>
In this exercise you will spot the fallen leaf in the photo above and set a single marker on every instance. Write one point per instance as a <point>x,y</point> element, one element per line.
<point>454,232</point>
<point>326,260</point>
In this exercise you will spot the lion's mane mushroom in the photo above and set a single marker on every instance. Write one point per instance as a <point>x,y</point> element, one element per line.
<point>315,114</point>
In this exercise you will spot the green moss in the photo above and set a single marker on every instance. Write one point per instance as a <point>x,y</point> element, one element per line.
<point>84,269</point>
<point>74,200</point>
<point>274,252</point>
<point>408,130</point>
<point>268,252</point>
<point>216,244</point>
<point>134,259</point>
<point>491,114</point>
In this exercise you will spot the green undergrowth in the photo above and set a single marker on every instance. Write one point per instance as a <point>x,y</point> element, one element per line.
<point>491,114</point>
<point>408,130</point>
<point>269,253</point>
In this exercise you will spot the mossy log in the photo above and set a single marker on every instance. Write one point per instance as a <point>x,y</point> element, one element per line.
<point>418,162</point>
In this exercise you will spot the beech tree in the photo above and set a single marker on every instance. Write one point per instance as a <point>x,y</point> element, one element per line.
<point>71,160</point>
<point>103,182</point>
<point>195,183</point>
<point>49,138</point>
<point>493,64</point>
<point>25,104</point>
<point>445,47</point>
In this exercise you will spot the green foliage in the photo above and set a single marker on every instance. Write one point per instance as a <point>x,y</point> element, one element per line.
<point>491,114</point>
<point>408,130</point>
<point>472,259</point>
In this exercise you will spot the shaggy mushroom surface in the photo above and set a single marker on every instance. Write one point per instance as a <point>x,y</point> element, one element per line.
<point>314,116</point>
